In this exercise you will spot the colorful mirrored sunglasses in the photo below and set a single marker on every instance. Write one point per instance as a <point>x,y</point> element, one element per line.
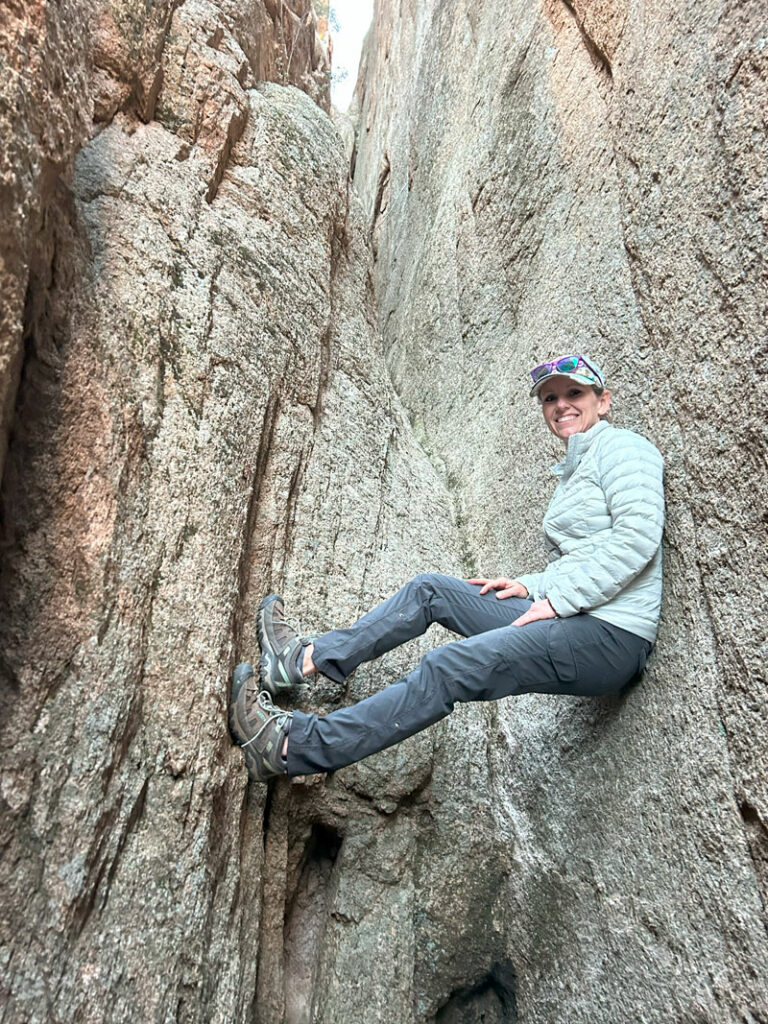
<point>565,364</point>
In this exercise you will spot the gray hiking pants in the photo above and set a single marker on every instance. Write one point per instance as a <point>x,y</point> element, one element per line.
<point>580,655</point>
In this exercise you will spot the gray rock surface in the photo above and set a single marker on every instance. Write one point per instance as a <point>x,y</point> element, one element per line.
<point>540,178</point>
<point>71,64</point>
<point>206,414</point>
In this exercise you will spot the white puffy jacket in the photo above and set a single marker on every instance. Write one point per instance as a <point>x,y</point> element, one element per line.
<point>603,531</point>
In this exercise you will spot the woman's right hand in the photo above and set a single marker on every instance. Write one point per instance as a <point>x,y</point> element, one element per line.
<point>503,586</point>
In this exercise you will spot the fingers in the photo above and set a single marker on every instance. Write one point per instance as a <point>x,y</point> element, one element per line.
<point>525,618</point>
<point>481,582</point>
<point>538,610</point>
<point>487,584</point>
<point>503,584</point>
<point>496,584</point>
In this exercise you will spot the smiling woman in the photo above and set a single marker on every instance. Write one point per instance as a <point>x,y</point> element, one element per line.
<point>572,393</point>
<point>583,626</point>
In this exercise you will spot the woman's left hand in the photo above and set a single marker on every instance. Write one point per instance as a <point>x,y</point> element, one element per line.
<point>538,610</point>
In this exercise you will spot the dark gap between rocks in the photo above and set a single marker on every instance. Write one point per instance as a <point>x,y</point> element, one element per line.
<point>491,1001</point>
<point>305,923</point>
<point>757,840</point>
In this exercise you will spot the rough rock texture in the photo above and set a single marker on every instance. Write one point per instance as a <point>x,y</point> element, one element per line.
<point>205,414</point>
<point>591,176</point>
<point>66,63</point>
<point>44,116</point>
<point>269,40</point>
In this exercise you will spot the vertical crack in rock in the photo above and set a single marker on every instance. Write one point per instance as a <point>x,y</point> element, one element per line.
<point>324,374</point>
<point>757,838</point>
<point>599,57</point>
<point>149,81</point>
<point>339,251</point>
<point>235,129</point>
<point>270,977</point>
<point>252,534</point>
<point>107,855</point>
<point>381,200</point>
<point>380,203</point>
<point>305,923</point>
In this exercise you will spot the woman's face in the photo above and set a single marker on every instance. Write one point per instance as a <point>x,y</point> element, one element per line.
<point>570,407</point>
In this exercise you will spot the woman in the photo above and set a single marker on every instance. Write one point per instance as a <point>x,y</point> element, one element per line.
<point>582,626</point>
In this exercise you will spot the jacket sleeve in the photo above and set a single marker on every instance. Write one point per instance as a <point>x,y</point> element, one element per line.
<point>531,581</point>
<point>631,475</point>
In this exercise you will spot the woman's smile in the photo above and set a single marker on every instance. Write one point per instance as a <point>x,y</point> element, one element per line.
<point>570,407</point>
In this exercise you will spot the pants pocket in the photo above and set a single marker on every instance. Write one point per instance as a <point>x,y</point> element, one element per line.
<point>560,652</point>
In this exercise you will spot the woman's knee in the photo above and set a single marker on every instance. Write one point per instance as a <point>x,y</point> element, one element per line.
<point>429,580</point>
<point>444,600</point>
<point>427,586</point>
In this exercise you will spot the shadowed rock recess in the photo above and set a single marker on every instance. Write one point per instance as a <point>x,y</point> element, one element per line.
<point>228,368</point>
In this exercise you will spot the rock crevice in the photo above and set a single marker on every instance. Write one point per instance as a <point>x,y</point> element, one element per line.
<point>227,371</point>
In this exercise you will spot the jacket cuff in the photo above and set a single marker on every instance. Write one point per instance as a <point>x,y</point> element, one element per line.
<point>531,581</point>
<point>562,606</point>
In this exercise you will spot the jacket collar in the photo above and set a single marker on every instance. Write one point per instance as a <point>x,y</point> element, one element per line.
<point>578,446</point>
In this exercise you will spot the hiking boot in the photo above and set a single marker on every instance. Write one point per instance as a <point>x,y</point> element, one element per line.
<point>282,649</point>
<point>257,725</point>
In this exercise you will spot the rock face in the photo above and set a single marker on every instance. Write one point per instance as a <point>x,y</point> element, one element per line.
<point>205,414</point>
<point>557,176</point>
<point>44,116</point>
<point>69,63</point>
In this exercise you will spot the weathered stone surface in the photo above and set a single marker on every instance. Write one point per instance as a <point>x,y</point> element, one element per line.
<point>277,38</point>
<point>68,64</point>
<point>211,420</point>
<point>44,116</point>
<point>206,415</point>
<point>548,177</point>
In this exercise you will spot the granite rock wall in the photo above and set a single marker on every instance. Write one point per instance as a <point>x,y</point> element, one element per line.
<point>587,176</point>
<point>70,67</point>
<point>203,416</point>
<point>202,320</point>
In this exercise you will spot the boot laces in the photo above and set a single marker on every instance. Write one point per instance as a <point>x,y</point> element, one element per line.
<point>304,638</point>
<point>275,714</point>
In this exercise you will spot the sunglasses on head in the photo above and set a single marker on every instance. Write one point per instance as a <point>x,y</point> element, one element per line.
<point>565,364</point>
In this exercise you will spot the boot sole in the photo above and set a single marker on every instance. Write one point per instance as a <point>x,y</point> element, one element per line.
<point>260,627</point>
<point>240,677</point>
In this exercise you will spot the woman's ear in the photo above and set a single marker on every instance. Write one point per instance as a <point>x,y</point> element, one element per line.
<point>604,404</point>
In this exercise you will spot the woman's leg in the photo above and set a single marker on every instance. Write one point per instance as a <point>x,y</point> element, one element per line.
<point>428,598</point>
<point>581,656</point>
